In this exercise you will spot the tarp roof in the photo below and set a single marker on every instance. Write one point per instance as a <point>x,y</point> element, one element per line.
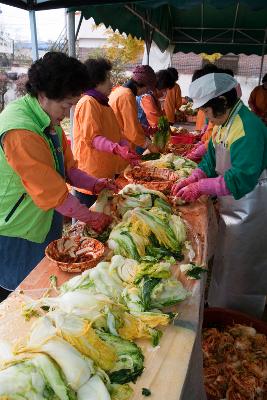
<point>225,26</point>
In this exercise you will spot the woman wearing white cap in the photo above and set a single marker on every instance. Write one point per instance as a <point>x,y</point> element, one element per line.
<point>234,169</point>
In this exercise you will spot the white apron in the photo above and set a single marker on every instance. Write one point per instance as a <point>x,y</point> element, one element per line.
<point>239,275</point>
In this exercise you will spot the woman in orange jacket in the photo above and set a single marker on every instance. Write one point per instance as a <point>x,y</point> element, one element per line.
<point>258,100</point>
<point>99,146</point>
<point>123,102</point>
<point>173,100</point>
<point>149,104</point>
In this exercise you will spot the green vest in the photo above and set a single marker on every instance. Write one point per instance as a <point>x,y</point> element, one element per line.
<point>19,216</point>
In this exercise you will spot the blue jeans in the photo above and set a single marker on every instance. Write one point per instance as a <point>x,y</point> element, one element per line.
<point>139,150</point>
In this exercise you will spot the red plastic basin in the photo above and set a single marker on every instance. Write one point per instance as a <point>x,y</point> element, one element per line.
<point>222,317</point>
<point>183,139</point>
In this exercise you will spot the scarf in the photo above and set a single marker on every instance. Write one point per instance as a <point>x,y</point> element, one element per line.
<point>100,97</point>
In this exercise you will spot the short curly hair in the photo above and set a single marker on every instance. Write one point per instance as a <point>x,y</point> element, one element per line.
<point>97,69</point>
<point>173,71</point>
<point>164,80</point>
<point>58,76</point>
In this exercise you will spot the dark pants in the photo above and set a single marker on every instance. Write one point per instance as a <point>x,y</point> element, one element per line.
<point>4,293</point>
<point>139,150</point>
<point>87,199</point>
<point>19,256</point>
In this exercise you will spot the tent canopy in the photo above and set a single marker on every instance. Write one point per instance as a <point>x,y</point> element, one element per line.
<point>209,26</point>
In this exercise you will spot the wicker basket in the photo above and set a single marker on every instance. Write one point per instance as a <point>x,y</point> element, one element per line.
<point>160,179</point>
<point>180,149</point>
<point>60,247</point>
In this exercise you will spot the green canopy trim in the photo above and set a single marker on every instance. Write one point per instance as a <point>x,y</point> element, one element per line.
<point>191,26</point>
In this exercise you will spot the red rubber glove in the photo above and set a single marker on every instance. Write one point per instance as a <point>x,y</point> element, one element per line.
<point>150,130</point>
<point>196,175</point>
<point>104,183</point>
<point>208,186</point>
<point>71,207</point>
<point>127,154</point>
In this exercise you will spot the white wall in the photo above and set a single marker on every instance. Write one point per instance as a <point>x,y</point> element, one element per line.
<point>247,85</point>
<point>91,43</point>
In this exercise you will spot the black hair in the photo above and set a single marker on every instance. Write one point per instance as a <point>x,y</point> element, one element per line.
<point>174,73</point>
<point>222,103</point>
<point>133,85</point>
<point>207,69</point>
<point>264,79</point>
<point>228,71</point>
<point>164,80</point>
<point>97,69</point>
<point>58,76</point>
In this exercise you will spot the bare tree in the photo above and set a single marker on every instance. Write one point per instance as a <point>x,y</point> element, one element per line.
<point>3,89</point>
<point>20,85</point>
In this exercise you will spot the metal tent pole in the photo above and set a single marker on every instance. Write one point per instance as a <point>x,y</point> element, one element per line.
<point>79,26</point>
<point>148,34</point>
<point>34,40</point>
<point>72,53</point>
<point>148,47</point>
<point>71,34</point>
<point>262,55</point>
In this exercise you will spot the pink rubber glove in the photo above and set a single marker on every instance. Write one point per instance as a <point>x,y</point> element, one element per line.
<point>103,144</point>
<point>104,183</point>
<point>81,179</point>
<point>196,175</point>
<point>127,154</point>
<point>71,207</point>
<point>197,153</point>
<point>208,186</point>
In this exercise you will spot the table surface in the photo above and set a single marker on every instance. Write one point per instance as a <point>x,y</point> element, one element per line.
<point>166,365</point>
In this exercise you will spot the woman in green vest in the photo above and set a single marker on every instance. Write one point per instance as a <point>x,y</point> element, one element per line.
<point>36,162</point>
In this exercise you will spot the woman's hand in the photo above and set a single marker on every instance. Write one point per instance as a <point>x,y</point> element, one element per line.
<point>71,207</point>
<point>98,221</point>
<point>127,154</point>
<point>196,175</point>
<point>104,183</point>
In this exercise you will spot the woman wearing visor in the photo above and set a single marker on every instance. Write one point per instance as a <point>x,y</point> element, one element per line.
<point>234,169</point>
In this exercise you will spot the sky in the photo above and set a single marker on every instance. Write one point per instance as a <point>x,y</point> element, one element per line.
<point>16,22</point>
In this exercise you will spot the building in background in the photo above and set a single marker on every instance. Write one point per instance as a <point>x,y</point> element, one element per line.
<point>90,37</point>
